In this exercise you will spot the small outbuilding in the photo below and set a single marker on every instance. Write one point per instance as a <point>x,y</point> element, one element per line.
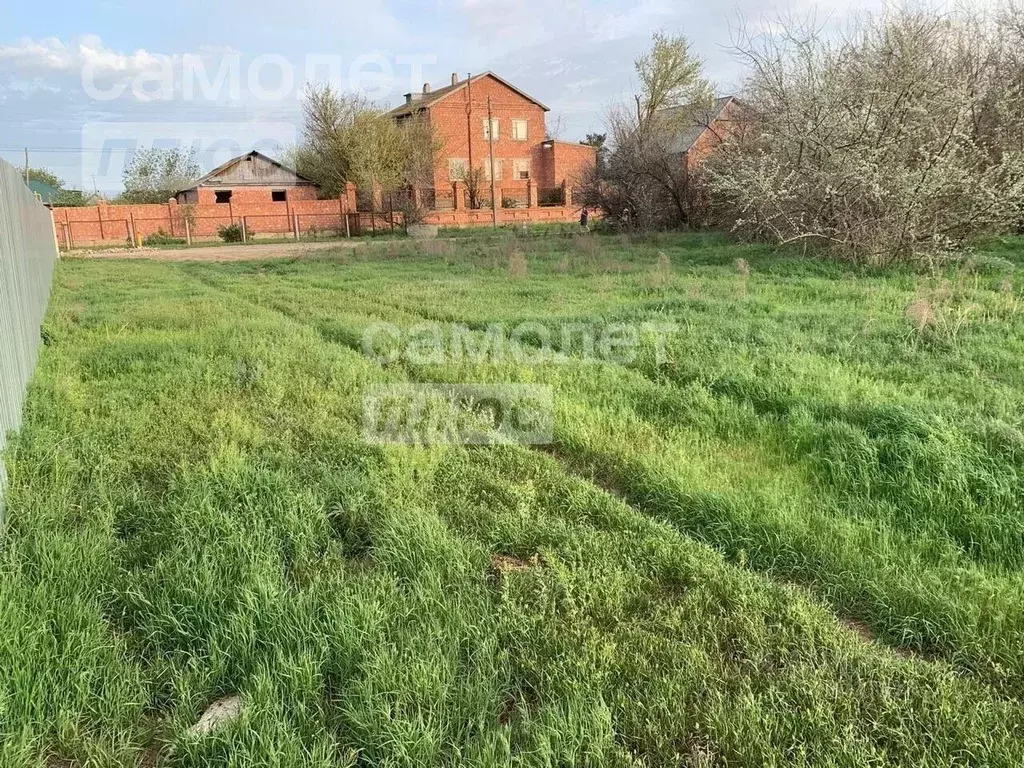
<point>250,178</point>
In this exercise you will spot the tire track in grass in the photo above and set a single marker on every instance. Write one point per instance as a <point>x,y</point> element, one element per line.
<point>611,486</point>
<point>418,375</point>
<point>883,439</point>
<point>878,581</point>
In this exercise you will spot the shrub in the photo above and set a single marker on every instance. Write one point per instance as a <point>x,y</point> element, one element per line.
<point>160,237</point>
<point>897,141</point>
<point>509,202</point>
<point>231,233</point>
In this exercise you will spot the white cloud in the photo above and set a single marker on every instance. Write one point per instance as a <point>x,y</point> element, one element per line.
<point>580,85</point>
<point>51,54</point>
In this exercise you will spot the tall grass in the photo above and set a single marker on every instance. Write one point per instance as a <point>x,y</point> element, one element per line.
<point>193,514</point>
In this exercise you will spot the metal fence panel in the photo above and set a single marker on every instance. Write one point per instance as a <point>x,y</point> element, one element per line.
<point>28,253</point>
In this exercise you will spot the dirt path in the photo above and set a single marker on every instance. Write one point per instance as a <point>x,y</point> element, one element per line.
<point>217,252</point>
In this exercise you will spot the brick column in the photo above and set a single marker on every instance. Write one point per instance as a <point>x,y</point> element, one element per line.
<point>568,194</point>
<point>531,194</point>
<point>457,199</point>
<point>350,197</point>
<point>378,197</point>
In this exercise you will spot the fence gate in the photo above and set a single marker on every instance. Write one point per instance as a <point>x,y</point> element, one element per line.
<point>28,253</point>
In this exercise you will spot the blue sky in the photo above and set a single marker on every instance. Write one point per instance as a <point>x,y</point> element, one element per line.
<point>574,55</point>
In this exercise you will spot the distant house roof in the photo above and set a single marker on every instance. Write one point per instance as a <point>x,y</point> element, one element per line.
<point>45,192</point>
<point>427,100</point>
<point>690,132</point>
<point>211,179</point>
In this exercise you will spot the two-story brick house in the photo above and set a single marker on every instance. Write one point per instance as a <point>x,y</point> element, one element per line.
<point>727,117</point>
<point>524,159</point>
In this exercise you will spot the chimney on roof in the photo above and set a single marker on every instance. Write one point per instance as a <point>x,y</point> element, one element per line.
<point>411,97</point>
<point>455,78</point>
<point>426,88</point>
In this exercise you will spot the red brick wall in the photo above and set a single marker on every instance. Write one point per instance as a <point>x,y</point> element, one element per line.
<point>544,162</point>
<point>482,218</point>
<point>569,162</point>
<point>257,194</point>
<point>112,223</point>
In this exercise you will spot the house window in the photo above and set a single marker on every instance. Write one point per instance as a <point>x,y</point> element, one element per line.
<point>521,169</point>
<point>223,195</point>
<point>492,127</point>
<point>519,130</point>
<point>457,169</point>
<point>497,169</point>
<point>279,195</point>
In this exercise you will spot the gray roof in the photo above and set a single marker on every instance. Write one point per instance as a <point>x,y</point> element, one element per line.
<point>690,132</point>
<point>300,179</point>
<point>427,100</point>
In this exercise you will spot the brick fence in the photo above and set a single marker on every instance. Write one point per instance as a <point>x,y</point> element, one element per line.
<point>124,224</point>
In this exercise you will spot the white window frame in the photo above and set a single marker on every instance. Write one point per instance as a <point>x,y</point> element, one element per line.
<point>495,125</point>
<point>519,165</point>
<point>457,168</point>
<point>516,134</point>
<point>499,165</point>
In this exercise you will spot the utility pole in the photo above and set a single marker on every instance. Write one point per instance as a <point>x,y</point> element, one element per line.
<point>490,141</point>
<point>469,135</point>
<point>26,166</point>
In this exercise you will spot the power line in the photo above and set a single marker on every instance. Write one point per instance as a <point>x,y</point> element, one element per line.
<point>84,150</point>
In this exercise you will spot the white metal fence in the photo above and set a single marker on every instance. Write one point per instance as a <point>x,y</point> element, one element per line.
<point>28,253</point>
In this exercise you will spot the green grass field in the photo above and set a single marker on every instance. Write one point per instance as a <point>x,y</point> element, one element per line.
<point>798,539</point>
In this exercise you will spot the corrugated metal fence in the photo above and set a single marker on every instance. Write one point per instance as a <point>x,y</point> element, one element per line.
<point>28,253</point>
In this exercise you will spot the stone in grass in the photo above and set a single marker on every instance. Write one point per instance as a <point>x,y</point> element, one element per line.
<point>221,711</point>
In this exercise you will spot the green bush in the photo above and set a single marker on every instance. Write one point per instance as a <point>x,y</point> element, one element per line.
<point>160,237</point>
<point>232,233</point>
<point>509,202</point>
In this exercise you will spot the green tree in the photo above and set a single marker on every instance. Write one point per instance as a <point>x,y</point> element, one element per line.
<point>346,137</point>
<point>670,76</point>
<point>155,175</point>
<point>643,172</point>
<point>70,198</point>
<point>44,176</point>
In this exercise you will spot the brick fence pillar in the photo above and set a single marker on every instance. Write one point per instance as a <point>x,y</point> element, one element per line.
<point>350,197</point>
<point>457,199</point>
<point>378,197</point>
<point>531,194</point>
<point>568,194</point>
